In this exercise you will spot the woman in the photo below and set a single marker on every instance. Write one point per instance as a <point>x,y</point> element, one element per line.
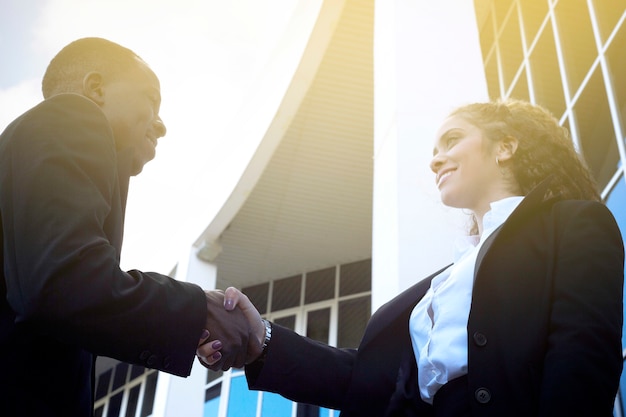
<point>526,322</point>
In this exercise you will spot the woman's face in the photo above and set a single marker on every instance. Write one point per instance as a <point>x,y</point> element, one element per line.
<point>464,163</point>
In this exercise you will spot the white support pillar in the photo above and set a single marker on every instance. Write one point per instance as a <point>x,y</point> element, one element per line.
<point>177,396</point>
<point>427,60</point>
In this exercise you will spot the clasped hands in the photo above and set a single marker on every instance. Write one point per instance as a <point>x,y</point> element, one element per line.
<point>234,333</point>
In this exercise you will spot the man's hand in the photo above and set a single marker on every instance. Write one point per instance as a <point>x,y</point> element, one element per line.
<point>230,334</point>
<point>236,303</point>
<point>234,298</point>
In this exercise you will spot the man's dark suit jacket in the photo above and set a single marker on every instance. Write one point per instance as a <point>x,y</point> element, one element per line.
<point>544,330</point>
<point>64,298</point>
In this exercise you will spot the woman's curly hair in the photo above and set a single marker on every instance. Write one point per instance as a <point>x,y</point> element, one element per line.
<point>544,147</point>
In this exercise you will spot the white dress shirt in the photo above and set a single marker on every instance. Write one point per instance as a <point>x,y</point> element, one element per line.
<point>438,323</point>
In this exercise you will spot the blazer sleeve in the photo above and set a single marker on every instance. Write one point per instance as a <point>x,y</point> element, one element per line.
<point>583,360</point>
<point>303,369</point>
<point>58,180</point>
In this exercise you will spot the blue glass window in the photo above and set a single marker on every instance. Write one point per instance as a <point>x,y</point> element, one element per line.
<point>274,405</point>
<point>241,401</point>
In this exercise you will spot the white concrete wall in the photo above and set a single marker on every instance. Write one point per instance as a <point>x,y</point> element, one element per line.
<point>427,60</point>
<point>177,396</point>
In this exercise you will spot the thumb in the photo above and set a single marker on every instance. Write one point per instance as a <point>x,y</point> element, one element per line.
<point>231,298</point>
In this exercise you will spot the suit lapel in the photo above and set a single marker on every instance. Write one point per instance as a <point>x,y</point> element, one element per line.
<point>527,207</point>
<point>398,308</point>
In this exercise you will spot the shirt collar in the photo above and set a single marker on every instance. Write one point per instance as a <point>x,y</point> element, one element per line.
<point>499,211</point>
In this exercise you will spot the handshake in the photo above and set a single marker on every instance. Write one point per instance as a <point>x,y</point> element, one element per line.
<point>234,334</point>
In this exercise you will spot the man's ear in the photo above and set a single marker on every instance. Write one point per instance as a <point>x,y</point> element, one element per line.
<point>506,148</point>
<point>93,87</point>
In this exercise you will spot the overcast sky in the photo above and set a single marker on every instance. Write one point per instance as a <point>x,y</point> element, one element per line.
<point>206,53</point>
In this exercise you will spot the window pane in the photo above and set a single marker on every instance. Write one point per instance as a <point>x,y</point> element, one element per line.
<point>520,91</point>
<point>308,410</point>
<point>121,371</point>
<point>320,285</point>
<point>212,376</point>
<point>286,293</point>
<point>318,325</point>
<point>510,47</point>
<point>212,401</point>
<point>115,404</point>
<point>133,400</point>
<point>616,59</point>
<point>136,371</point>
<point>353,317</point>
<point>288,322</point>
<point>533,14</point>
<point>545,74</point>
<point>258,295</point>
<point>595,128</point>
<point>355,277</point>
<point>274,405</point>
<point>608,13</point>
<point>579,47</point>
<point>148,395</point>
<point>103,384</point>
<point>241,401</point>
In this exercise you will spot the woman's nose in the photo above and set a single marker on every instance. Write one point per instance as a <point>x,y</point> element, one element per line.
<point>436,163</point>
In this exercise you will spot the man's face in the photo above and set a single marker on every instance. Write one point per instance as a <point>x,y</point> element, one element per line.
<point>131,104</point>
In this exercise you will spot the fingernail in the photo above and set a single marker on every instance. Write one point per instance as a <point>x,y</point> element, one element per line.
<point>217,345</point>
<point>205,334</point>
<point>217,356</point>
<point>229,304</point>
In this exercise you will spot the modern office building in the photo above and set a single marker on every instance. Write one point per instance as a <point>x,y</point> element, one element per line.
<point>336,211</point>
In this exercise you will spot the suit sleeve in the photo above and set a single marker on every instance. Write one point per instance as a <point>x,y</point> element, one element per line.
<point>59,180</point>
<point>584,357</point>
<point>303,370</point>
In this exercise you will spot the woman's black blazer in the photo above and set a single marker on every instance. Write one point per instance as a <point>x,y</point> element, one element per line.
<point>544,329</point>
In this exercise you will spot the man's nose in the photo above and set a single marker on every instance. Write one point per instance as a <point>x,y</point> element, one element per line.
<point>159,127</point>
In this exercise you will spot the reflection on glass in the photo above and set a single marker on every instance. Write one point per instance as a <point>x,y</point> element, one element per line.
<point>273,405</point>
<point>577,41</point>
<point>546,77</point>
<point>318,325</point>
<point>148,395</point>
<point>353,317</point>
<point>320,285</point>
<point>510,47</point>
<point>212,401</point>
<point>286,293</point>
<point>133,400</point>
<point>595,130</point>
<point>241,401</point>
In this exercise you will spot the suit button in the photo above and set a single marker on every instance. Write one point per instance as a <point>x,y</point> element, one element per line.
<point>151,360</point>
<point>482,395</point>
<point>144,355</point>
<point>167,362</point>
<point>480,339</point>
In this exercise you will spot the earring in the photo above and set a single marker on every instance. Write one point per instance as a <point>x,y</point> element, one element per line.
<point>497,162</point>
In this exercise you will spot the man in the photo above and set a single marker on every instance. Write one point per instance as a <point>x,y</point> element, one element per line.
<point>65,166</point>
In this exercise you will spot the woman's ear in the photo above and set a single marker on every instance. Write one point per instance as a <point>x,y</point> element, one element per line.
<point>93,87</point>
<point>506,148</point>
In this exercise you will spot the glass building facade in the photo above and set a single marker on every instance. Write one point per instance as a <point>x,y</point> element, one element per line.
<point>570,57</point>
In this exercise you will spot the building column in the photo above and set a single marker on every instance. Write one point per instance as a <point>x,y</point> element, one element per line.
<point>176,396</point>
<point>427,60</point>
